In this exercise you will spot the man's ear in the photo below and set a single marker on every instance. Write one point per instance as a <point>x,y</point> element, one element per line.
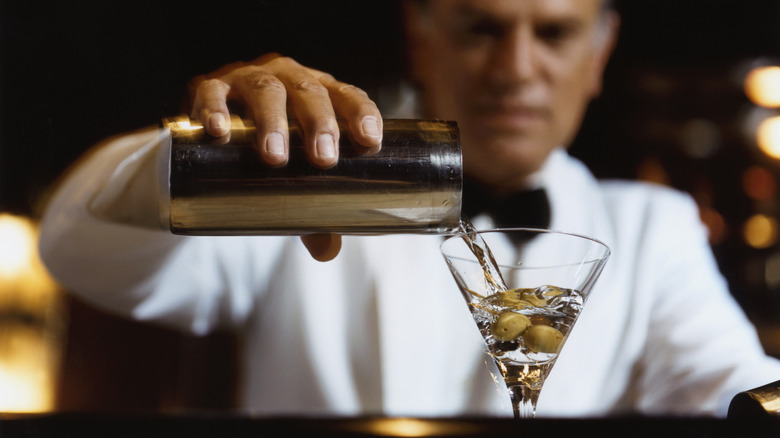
<point>603,50</point>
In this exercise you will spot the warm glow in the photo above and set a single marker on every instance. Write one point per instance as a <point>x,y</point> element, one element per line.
<point>652,170</point>
<point>17,244</point>
<point>762,86</point>
<point>27,372</point>
<point>758,183</point>
<point>768,136</point>
<point>30,321</point>
<point>411,427</point>
<point>760,231</point>
<point>402,427</point>
<point>715,224</point>
<point>186,125</point>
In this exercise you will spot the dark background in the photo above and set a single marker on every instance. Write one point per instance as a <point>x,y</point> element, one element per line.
<point>72,73</point>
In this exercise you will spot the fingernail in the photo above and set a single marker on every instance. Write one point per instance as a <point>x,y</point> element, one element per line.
<point>274,144</point>
<point>370,126</point>
<point>217,123</point>
<point>326,147</point>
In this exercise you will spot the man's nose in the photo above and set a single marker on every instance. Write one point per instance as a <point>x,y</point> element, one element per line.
<point>515,60</point>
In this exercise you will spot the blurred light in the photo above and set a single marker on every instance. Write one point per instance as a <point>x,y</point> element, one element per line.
<point>27,378</point>
<point>651,170</point>
<point>762,86</point>
<point>31,322</point>
<point>768,136</point>
<point>759,183</point>
<point>772,271</point>
<point>699,138</point>
<point>760,231</point>
<point>18,239</point>
<point>412,427</point>
<point>403,427</point>
<point>715,224</point>
<point>182,123</point>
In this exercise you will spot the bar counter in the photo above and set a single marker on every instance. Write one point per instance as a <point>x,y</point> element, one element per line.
<point>209,424</point>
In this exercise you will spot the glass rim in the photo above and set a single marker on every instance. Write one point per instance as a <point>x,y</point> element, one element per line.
<point>458,234</point>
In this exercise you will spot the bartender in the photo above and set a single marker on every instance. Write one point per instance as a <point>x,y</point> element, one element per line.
<point>375,325</point>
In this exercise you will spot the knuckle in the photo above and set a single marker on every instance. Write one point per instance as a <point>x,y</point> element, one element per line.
<point>310,86</point>
<point>209,84</point>
<point>271,119</point>
<point>210,89</point>
<point>262,81</point>
<point>284,61</point>
<point>324,77</point>
<point>367,108</point>
<point>351,91</point>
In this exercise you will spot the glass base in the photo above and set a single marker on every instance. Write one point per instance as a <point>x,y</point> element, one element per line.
<point>523,401</point>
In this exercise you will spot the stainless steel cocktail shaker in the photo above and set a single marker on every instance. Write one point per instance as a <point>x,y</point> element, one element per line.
<point>222,187</point>
<point>761,402</point>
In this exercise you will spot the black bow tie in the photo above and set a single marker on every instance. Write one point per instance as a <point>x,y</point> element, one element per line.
<point>529,209</point>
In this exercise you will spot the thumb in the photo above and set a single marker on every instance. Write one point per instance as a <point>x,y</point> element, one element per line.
<point>323,247</point>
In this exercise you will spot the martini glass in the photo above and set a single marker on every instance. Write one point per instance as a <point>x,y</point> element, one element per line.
<point>525,289</point>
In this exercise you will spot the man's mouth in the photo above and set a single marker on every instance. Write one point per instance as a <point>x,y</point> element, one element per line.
<point>512,117</point>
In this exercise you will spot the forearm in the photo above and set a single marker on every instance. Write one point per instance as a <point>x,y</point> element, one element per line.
<point>100,233</point>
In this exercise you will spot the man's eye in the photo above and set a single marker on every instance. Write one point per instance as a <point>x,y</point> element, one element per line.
<point>477,32</point>
<point>554,33</point>
<point>484,29</point>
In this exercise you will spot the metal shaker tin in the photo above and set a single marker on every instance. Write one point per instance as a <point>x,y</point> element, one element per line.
<point>222,187</point>
<point>761,402</point>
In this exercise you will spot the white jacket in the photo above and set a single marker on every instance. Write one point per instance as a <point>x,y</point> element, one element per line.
<point>382,329</point>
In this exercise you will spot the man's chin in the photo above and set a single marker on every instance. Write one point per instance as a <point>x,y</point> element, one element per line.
<point>505,158</point>
<point>515,147</point>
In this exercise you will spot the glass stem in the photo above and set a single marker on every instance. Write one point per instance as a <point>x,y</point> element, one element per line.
<point>523,401</point>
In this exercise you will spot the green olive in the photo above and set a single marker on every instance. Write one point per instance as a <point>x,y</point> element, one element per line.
<point>509,325</point>
<point>543,339</point>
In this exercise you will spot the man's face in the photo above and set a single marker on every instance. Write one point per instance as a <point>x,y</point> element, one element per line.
<point>516,75</point>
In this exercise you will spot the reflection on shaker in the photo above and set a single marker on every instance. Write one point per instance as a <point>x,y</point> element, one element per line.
<point>222,187</point>
<point>760,402</point>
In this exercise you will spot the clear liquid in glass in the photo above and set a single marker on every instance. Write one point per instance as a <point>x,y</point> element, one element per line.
<point>524,329</point>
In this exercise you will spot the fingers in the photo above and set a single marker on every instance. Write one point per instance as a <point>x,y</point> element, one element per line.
<point>316,98</point>
<point>271,85</point>
<point>210,106</point>
<point>311,105</point>
<point>266,97</point>
<point>360,112</point>
<point>323,247</point>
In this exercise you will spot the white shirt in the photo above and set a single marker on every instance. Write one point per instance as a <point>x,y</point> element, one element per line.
<point>382,329</point>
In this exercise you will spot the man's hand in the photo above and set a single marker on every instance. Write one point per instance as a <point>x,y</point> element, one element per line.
<point>270,86</point>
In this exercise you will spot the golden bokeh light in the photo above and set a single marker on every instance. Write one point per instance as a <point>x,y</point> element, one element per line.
<point>768,136</point>
<point>30,321</point>
<point>18,239</point>
<point>412,427</point>
<point>27,371</point>
<point>762,86</point>
<point>760,231</point>
<point>759,183</point>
